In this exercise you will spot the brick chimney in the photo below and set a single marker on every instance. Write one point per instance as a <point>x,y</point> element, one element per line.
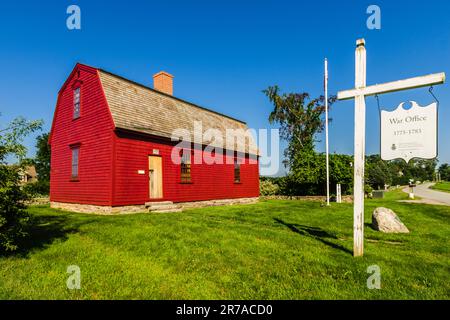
<point>163,81</point>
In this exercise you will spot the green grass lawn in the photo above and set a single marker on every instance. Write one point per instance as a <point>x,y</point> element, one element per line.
<point>269,250</point>
<point>442,186</point>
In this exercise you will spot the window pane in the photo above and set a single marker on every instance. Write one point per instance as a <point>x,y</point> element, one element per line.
<point>186,157</point>
<point>75,153</point>
<point>76,110</point>
<point>186,166</point>
<point>76,103</point>
<point>237,171</point>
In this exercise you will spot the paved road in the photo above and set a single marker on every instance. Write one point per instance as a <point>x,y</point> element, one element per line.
<point>429,195</point>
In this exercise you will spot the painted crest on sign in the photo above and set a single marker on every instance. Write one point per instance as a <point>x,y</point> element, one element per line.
<point>409,133</point>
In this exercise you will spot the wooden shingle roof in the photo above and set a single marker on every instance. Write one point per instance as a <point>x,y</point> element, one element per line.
<point>138,108</point>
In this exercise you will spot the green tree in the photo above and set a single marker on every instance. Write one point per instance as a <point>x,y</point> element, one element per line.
<point>377,172</point>
<point>300,119</point>
<point>42,159</point>
<point>42,164</point>
<point>444,170</point>
<point>341,171</point>
<point>13,216</point>
<point>423,169</point>
<point>397,172</point>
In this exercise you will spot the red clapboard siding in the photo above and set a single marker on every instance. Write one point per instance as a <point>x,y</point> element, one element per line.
<point>93,131</point>
<point>208,181</point>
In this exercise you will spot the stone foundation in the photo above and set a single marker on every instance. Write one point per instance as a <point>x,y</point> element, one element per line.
<point>105,210</point>
<point>220,202</point>
<point>108,210</point>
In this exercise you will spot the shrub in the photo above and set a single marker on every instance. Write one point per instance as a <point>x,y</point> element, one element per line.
<point>368,190</point>
<point>38,189</point>
<point>13,216</point>
<point>268,188</point>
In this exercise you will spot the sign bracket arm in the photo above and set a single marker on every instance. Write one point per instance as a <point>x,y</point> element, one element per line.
<point>430,90</point>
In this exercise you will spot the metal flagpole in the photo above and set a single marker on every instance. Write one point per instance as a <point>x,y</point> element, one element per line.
<point>326,130</point>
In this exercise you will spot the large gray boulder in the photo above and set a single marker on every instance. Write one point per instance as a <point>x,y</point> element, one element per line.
<point>385,220</point>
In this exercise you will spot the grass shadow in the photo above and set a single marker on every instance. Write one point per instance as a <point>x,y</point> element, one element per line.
<point>369,225</point>
<point>42,231</point>
<point>315,233</point>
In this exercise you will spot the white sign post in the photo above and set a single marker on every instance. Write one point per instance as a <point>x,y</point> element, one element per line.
<point>359,93</point>
<point>338,193</point>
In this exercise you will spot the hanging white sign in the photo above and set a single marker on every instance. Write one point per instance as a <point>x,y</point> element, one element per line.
<point>407,134</point>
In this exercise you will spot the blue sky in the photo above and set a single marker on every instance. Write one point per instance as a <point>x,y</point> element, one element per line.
<point>223,53</point>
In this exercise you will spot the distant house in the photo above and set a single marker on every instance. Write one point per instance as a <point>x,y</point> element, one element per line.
<point>28,175</point>
<point>112,147</point>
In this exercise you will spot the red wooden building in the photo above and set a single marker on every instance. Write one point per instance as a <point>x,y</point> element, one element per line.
<point>112,147</point>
